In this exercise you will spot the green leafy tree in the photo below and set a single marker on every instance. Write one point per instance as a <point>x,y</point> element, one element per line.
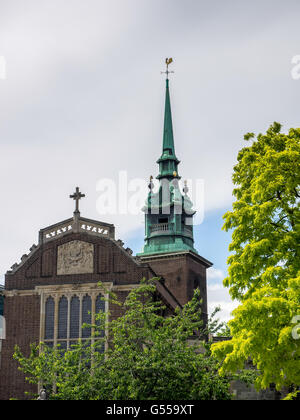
<point>217,328</point>
<point>263,272</point>
<point>147,356</point>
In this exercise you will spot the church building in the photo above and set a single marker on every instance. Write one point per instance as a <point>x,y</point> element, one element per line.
<point>54,289</point>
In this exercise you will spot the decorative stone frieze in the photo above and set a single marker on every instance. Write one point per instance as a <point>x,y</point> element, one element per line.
<point>75,257</point>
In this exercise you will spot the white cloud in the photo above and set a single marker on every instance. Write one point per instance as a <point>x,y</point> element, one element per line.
<point>84,99</point>
<point>215,274</point>
<point>218,295</point>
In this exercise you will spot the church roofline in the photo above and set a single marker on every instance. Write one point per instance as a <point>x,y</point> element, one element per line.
<point>84,219</point>
<point>71,219</point>
<point>24,259</point>
<point>166,294</point>
<point>77,224</point>
<point>110,236</point>
<point>160,285</point>
<point>162,255</point>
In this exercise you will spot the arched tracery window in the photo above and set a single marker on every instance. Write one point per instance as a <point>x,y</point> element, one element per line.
<point>66,315</point>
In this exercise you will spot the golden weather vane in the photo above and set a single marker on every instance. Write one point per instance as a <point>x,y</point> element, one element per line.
<point>168,62</point>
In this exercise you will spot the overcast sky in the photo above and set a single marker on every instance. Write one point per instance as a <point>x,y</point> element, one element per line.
<point>83,99</point>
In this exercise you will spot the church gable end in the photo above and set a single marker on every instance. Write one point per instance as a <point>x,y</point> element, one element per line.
<point>33,271</point>
<point>120,262</point>
<point>47,263</point>
<point>104,259</point>
<point>77,258</point>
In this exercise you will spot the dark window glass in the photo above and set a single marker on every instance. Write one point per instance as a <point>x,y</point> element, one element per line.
<point>49,319</point>
<point>75,314</point>
<point>99,347</point>
<point>100,307</point>
<point>100,304</point>
<point>86,315</point>
<point>62,346</point>
<point>163,220</point>
<point>73,343</point>
<point>63,317</point>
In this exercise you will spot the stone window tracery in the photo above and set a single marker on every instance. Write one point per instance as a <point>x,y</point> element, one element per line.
<point>66,313</point>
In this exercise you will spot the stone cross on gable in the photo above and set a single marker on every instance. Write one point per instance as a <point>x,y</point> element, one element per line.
<point>77,196</point>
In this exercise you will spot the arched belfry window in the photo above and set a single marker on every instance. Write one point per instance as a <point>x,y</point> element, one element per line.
<point>65,315</point>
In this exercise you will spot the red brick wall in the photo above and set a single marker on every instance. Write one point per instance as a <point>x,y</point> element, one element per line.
<point>22,314</point>
<point>182,274</point>
<point>111,264</point>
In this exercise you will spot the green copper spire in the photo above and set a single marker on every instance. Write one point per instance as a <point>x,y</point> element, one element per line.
<point>168,140</point>
<point>168,212</point>
<point>168,162</point>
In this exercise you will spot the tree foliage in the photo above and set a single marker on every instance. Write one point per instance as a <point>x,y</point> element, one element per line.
<point>147,356</point>
<point>263,272</point>
<point>217,328</point>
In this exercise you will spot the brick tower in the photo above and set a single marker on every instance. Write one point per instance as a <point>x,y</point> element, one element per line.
<point>169,237</point>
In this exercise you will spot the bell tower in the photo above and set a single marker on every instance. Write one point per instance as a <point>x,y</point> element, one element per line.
<point>169,231</point>
<point>168,212</point>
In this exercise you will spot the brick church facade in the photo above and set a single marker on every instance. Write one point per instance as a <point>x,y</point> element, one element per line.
<point>68,265</point>
<point>54,289</point>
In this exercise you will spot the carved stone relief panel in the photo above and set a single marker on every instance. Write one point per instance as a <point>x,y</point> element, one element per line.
<point>75,257</point>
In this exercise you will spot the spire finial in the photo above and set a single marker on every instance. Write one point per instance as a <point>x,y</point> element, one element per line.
<point>168,161</point>
<point>186,188</point>
<point>167,72</point>
<point>151,185</point>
